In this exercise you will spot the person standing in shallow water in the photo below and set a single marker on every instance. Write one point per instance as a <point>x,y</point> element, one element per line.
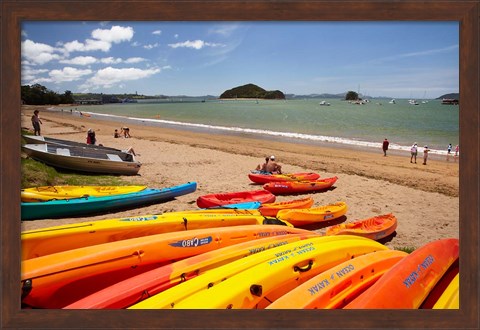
<point>425,154</point>
<point>385,146</point>
<point>36,121</point>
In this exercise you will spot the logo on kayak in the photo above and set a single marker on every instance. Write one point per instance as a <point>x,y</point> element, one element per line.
<point>328,216</point>
<point>144,218</point>
<point>192,242</point>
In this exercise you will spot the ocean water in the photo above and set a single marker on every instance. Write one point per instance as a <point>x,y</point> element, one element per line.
<point>304,120</point>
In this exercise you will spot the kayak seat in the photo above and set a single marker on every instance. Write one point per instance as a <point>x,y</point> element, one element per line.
<point>63,151</point>
<point>114,157</point>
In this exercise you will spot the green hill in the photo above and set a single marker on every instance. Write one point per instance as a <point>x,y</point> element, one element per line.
<point>251,91</point>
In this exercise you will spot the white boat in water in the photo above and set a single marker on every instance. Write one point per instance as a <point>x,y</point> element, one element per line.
<point>324,103</point>
<point>392,101</point>
<point>84,159</point>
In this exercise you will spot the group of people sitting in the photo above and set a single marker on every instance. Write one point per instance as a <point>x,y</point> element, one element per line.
<point>270,166</point>
<point>125,131</point>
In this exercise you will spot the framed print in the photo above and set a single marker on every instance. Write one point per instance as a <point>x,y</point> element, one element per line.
<point>460,17</point>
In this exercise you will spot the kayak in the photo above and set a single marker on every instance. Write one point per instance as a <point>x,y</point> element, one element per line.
<point>335,249</point>
<point>299,217</point>
<point>450,298</point>
<point>374,228</point>
<point>56,280</point>
<point>221,199</point>
<point>271,209</point>
<point>45,193</point>
<point>137,288</point>
<point>262,284</point>
<point>263,178</point>
<point>41,242</point>
<point>339,284</point>
<point>298,187</point>
<point>80,206</point>
<point>411,279</point>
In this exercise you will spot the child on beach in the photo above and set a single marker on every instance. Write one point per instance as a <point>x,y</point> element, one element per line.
<point>425,154</point>
<point>36,121</point>
<point>115,134</point>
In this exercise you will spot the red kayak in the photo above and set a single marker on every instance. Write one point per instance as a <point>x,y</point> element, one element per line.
<point>298,187</point>
<point>213,200</point>
<point>265,178</point>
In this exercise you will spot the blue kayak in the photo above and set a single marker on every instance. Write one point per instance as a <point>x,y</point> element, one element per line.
<point>239,206</point>
<point>95,205</point>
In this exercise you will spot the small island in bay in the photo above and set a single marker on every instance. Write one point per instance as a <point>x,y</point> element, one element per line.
<point>251,91</point>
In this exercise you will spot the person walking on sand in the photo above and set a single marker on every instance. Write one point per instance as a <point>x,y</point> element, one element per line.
<point>414,152</point>
<point>385,146</point>
<point>425,154</point>
<point>126,132</point>
<point>449,151</point>
<point>36,121</point>
<point>273,167</point>
<point>456,152</point>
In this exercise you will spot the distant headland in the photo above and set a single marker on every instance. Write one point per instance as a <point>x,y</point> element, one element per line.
<point>252,91</point>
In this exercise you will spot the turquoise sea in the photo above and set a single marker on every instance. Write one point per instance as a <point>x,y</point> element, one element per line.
<point>301,120</point>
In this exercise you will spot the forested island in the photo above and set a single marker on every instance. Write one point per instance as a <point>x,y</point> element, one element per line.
<point>251,91</point>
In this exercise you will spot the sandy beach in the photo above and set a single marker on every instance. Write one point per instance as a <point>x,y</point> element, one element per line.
<point>424,198</point>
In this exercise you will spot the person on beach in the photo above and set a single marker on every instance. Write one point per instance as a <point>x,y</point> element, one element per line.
<point>273,167</point>
<point>263,167</point>
<point>385,146</point>
<point>425,154</point>
<point>91,139</point>
<point>414,152</point>
<point>126,132</point>
<point>456,152</point>
<point>449,151</point>
<point>115,134</point>
<point>36,121</point>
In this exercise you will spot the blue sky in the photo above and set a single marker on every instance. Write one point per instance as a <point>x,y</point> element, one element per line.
<point>395,59</point>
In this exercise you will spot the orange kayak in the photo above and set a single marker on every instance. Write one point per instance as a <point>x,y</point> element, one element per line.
<point>297,187</point>
<point>137,288</point>
<point>408,283</point>
<point>330,289</point>
<point>265,178</point>
<point>300,217</point>
<point>374,228</point>
<point>213,200</point>
<point>55,280</point>
<point>271,209</point>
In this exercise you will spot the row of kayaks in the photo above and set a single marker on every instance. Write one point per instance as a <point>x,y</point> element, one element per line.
<point>244,266</point>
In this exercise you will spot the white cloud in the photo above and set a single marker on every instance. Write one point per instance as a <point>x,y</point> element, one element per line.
<point>115,35</point>
<point>196,44</point>
<point>415,54</point>
<point>109,77</point>
<point>224,30</point>
<point>135,44</point>
<point>176,35</point>
<point>24,34</point>
<point>157,32</point>
<point>38,53</point>
<point>111,60</point>
<point>29,74</point>
<point>134,60</point>
<point>80,60</point>
<point>151,46</point>
<point>68,74</point>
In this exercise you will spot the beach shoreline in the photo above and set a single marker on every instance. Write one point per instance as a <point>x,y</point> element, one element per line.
<point>423,197</point>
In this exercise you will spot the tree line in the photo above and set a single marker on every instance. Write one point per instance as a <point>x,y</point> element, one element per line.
<point>41,95</point>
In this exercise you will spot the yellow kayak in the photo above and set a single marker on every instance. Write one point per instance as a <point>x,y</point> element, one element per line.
<point>450,298</point>
<point>299,217</point>
<point>234,285</point>
<point>45,193</point>
<point>41,242</point>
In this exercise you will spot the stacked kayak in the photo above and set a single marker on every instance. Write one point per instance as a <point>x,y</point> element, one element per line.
<point>58,279</point>
<point>299,187</point>
<point>45,193</point>
<point>262,178</point>
<point>374,228</point>
<point>93,205</point>
<point>221,199</point>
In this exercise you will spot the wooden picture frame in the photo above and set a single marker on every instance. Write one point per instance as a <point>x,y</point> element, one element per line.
<point>13,12</point>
